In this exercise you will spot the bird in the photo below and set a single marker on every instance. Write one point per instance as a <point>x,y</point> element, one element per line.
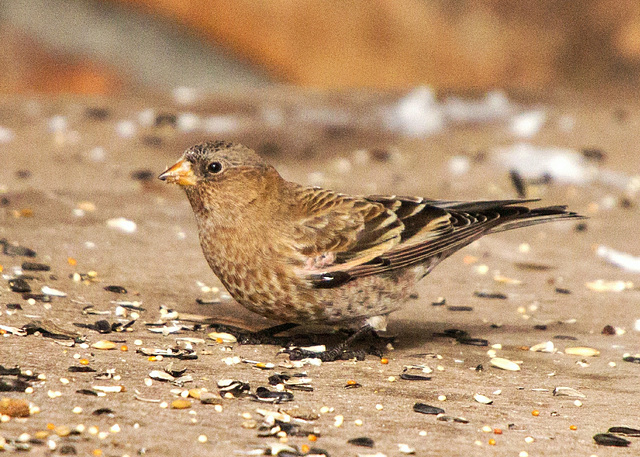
<point>308,255</point>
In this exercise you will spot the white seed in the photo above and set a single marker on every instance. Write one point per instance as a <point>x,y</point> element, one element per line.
<point>482,399</point>
<point>122,224</point>
<point>104,344</point>
<point>222,337</point>
<point>582,351</point>
<point>504,364</point>
<point>567,392</point>
<point>546,346</point>
<point>406,449</point>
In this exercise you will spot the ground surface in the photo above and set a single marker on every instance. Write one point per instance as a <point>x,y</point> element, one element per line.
<point>68,170</point>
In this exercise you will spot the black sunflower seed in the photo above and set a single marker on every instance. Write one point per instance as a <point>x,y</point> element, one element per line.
<point>363,441</point>
<point>427,409</point>
<point>607,439</point>
<point>628,431</point>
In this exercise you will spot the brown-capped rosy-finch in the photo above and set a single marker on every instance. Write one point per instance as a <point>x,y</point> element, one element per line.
<point>309,255</point>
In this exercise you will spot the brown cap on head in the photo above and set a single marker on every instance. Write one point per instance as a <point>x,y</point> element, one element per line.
<point>196,159</point>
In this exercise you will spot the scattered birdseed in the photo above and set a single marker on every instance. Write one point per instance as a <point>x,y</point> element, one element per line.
<point>109,389</point>
<point>600,285</point>
<point>445,418</point>
<point>122,224</point>
<point>482,399</point>
<point>460,308</point>
<point>504,364</point>
<point>567,392</point>
<point>104,344</point>
<point>627,431</point>
<point>427,409</point>
<point>363,441</point>
<point>607,439</point>
<point>546,346</point>
<point>582,351</point>
<point>53,292</point>
<point>33,266</point>
<point>180,403</point>
<point>493,295</point>
<point>19,285</point>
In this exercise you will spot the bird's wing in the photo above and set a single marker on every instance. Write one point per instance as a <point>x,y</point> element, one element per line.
<point>336,232</point>
<point>343,237</point>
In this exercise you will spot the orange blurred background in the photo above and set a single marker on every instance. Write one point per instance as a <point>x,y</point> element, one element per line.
<point>133,46</point>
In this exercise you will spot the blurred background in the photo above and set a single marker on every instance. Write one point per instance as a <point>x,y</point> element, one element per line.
<point>146,46</point>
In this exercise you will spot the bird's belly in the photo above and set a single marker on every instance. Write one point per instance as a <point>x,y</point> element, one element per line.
<point>367,296</point>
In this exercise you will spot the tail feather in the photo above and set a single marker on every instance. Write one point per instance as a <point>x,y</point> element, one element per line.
<point>534,216</point>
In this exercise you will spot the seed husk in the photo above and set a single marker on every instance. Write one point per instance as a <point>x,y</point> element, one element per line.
<point>627,431</point>
<point>19,285</point>
<point>492,295</point>
<point>582,351</point>
<point>104,345</point>
<point>482,399</point>
<point>445,418</point>
<point>427,409</point>
<point>607,439</point>
<point>13,250</point>
<point>34,266</point>
<point>363,441</point>
<point>414,377</point>
<point>567,392</point>
<point>546,346</point>
<point>504,364</point>
<point>222,337</point>
<point>116,289</point>
<point>460,308</point>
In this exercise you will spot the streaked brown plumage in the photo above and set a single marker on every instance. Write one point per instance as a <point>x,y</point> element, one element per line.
<point>309,255</point>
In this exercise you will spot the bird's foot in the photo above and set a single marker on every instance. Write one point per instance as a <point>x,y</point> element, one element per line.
<point>344,350</point>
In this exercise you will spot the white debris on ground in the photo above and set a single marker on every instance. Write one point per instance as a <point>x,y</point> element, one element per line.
<point>529,123</point>
<point>620,259</point>
<point>493,107</point>
<point>536,162</point>
<point>416,114</point>
<point>122,224</point>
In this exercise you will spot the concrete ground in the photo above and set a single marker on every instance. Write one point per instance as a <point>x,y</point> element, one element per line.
<point>71,165</point>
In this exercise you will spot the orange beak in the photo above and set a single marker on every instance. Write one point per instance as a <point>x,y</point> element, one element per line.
<point>180,173</point>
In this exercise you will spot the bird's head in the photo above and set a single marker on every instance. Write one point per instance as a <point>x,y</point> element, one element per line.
<point>222,171</point>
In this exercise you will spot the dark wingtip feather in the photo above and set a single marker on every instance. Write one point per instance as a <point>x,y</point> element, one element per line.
<point>536,216</point>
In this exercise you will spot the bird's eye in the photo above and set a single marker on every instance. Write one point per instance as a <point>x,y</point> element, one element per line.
<point>214,167</point>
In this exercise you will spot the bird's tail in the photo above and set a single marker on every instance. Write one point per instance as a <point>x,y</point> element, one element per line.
<point>513,214</point>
